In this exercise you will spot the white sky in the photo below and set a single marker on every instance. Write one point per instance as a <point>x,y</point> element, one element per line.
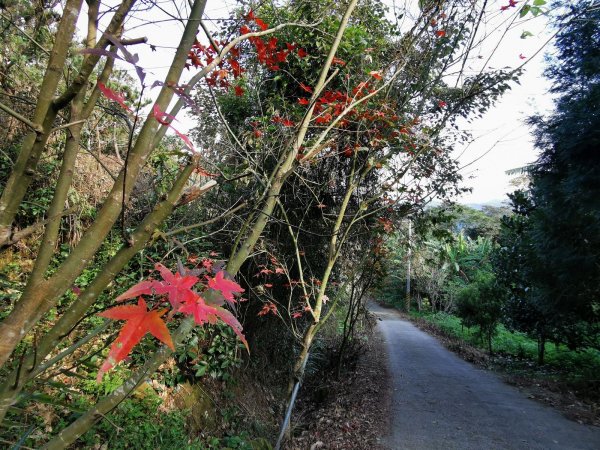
<point>501,136</point>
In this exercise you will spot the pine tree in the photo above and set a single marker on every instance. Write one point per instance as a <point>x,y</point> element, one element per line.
<point>565,231</point>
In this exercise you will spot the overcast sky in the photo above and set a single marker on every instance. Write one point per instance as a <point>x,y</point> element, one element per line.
<point>501,141</point>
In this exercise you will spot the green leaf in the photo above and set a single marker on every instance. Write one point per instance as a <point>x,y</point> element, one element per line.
<point>526,34</point>
<point>524,10</point>
<point>539,2</point>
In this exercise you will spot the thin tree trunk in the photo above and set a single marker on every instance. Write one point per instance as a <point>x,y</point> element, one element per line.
<point>541,348</point>
<point>15,382</point>
<point>47,109</point>
<point>80,111</point>
<point>39,297</point>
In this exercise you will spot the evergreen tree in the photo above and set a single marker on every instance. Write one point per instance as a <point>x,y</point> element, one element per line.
<point>565,228</point>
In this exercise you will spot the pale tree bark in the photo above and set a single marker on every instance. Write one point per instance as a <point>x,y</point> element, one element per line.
<point>239,255</point>
<point>17,379</point>
<point>39,296</point>
<point>47,108</point>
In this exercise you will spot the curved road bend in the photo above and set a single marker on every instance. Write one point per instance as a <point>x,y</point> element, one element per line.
<point>441,402</point>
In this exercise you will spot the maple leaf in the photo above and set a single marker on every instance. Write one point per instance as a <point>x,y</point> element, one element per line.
<point>227,287</point>
<point>204,313</point>
<point>268,308</point>
<point>235,67</point>
<point>139,322</point>
<point>521,56</point>
<point>440,33</point>
<point>268,285</point>
<point>303,101</point>
<point>376,74</point>
<point>325,118</point>
<point>297,314</point>
<point>143,288</point>
<point>301,53</point>
<point>166,119</point>
<point>175,286</point>
<point>279,271</point>
<point>239,91</point>
<point>262,25</point>
<point>112,95</point>
<point>264,272</point>
<point>244,29</point>
<point>338,61</point>
<point>442,104</point>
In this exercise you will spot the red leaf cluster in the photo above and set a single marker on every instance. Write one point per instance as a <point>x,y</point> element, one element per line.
<point>511,4</point>
<point>268,308</point>
<point>181,298</point>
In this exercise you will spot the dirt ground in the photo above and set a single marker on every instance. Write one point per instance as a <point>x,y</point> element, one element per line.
<point>353,413</point>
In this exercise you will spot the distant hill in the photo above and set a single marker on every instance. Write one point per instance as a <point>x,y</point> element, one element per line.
<point>495,203</point>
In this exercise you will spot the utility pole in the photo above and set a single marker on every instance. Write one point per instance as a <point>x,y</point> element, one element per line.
<point>409,254</point>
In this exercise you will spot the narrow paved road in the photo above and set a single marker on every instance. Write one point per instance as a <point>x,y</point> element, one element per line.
<point>442,402</point>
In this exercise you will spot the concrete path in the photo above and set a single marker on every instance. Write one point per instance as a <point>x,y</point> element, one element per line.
<point>442,402</point>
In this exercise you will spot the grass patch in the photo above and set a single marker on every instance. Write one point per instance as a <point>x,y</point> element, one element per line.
<point>581,364</point>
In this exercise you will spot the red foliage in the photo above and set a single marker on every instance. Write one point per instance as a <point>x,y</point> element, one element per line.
<point>268,308</point>
<point>139,322</point>
<point>112,95</point>
<point>227,287</point>
<point>178,290</point>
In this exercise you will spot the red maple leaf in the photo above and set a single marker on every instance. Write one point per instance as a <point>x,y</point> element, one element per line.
<point>303,101</point>
<point>442,104</point>
<point>239,91</point>
<point>204,313</point>
<point>301,53</point>
<point>306,88</point>
<point>227,287</point>
<point>325,118</point>
<point>264,271</point>
<point>143,288</point>
<point>235,67</point>
<point>176,286</point>
<point>522,56</point>
<point>440,33</point>
<point>262,25</point>
<point>338,61</point>
<point>112,95</point>
<point>376,74</point>
<point>268,308</point>
<point>139,322</point>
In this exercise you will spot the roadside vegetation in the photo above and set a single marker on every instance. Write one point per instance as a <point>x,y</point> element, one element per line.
<point>162,289</point>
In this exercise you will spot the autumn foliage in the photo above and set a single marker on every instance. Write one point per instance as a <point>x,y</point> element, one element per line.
<point>173,292</point>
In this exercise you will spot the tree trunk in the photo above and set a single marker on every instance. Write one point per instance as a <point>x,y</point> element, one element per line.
<point>17,379</point>
<point>541,348</point>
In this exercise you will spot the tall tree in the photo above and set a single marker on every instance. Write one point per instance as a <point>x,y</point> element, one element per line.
<point>565,227</point>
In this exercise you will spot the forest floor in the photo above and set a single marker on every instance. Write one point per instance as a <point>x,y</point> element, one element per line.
<point>351,413</point>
